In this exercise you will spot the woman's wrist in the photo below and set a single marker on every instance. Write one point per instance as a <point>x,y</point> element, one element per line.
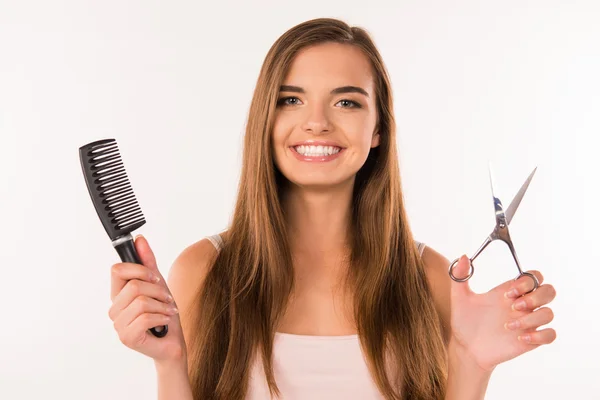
<point>173,380</point>
<point>461,356</point>
<point>173,364</point>
<point>466,379</point>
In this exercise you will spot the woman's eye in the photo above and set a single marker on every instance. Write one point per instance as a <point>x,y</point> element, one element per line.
<point>291,101</point>
<point>288,101</point>
<point>349,103</point>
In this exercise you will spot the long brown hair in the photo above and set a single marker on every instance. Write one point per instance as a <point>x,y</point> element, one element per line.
<point>248,287</point>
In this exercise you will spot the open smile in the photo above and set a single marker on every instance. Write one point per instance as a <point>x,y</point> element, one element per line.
<point>316,153</point>
<point>317,150</point>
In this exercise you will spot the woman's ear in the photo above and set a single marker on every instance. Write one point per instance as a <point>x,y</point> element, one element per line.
<point>375,139</point>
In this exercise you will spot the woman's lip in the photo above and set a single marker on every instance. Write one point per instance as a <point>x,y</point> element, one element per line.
<point>316,158</point>
<point>317,143</point>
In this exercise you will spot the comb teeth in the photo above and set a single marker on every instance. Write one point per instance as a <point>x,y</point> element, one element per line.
<point>109,186</point>
<point>113,185</point>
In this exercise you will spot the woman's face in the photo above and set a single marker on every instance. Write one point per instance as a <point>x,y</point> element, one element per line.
<point>326,115</point>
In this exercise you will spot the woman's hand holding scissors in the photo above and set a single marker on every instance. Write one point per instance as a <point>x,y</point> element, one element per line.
<point>503,323</point>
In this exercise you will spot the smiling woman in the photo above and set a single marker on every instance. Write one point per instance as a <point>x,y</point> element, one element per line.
<point>318,289</point>
<point>320,247</point>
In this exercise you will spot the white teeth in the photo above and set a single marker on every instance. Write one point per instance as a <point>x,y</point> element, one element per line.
<point>317,150</point>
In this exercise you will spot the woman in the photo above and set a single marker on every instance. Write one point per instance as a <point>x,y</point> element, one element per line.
<point>318,266</point>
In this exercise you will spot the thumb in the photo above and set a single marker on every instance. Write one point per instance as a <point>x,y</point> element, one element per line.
<point>145,253</point>
<point>461,270</point>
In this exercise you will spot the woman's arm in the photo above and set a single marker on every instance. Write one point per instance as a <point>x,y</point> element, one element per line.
<point>173,381</point>
<point>185,279</point>
<point>466,380</point>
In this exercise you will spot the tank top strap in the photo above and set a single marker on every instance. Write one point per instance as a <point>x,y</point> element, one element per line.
<point>216,240</point>
<point>420,247</point>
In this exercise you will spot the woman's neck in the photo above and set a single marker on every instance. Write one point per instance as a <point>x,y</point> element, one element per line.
<point>318,229</point>
<point>318,221</point>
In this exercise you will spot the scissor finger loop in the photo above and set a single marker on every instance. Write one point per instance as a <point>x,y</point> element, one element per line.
<point>466,278</point>
<point>536,283</point>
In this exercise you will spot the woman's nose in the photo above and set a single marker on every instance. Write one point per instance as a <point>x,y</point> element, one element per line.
<point>316,120</point>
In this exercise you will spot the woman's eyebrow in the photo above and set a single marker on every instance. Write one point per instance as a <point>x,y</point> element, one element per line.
<point>342,89</point>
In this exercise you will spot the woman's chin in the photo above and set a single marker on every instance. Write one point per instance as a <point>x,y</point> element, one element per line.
<point>325,183</point>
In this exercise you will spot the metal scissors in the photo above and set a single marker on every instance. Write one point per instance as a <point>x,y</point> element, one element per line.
<point>500,232</point>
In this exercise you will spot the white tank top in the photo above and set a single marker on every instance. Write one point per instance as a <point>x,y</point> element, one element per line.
<point>314,367</point>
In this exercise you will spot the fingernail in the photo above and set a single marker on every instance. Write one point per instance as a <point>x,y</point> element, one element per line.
<point>519,305</point>
<point>511,294</point>
<point>525,338</point>
<point>513,324</point>
<point>169,298</point>
<point>172,310</point>
<point>138,235</point>
<point>154,278</point>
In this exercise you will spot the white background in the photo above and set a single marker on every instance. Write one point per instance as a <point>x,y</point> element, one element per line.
<point>513,82</point>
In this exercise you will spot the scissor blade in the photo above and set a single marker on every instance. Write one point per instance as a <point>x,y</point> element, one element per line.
<point>498,209</point>
<point>514,204</point>
<point>491,178</point>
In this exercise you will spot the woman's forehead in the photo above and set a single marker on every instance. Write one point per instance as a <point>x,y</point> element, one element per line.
<point>330,65</point>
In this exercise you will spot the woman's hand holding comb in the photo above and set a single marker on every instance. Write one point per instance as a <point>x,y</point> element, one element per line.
<point>141,300</point>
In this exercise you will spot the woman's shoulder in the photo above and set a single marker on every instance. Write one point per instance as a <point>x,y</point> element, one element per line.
<point>186,278</point>
<point>194,262</point>
<point>194,257</point>
<point>189,269</point>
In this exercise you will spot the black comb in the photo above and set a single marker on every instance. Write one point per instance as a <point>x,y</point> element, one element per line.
<point>114,200</point>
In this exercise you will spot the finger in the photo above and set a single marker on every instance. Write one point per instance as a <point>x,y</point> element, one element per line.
<point>139,306</point>
<point>545,336</point>
<point>135,288</point>
<point>461,270</point>
<point>148,321</point>
<point>543,295</point>
<point>532,320</point>
<point>523,285</point>
<point>146,254</point>
<point>147,257</point>
<point>135,334</point>
<point>121,273</point>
